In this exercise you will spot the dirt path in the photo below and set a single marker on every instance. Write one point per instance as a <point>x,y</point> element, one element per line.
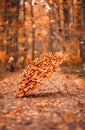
<point>45,108</point>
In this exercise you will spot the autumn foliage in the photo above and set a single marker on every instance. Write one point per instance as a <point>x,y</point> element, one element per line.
<point>31,28</point>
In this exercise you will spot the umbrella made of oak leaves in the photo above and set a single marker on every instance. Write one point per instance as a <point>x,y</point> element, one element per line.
<point>38,71</point>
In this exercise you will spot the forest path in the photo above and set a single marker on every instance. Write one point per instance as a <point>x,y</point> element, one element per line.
<point>45,108</point>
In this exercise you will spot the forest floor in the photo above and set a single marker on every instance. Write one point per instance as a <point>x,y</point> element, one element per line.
<point>45,108</point>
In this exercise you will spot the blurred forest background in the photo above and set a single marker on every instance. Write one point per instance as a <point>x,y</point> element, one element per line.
<point>29,28</point>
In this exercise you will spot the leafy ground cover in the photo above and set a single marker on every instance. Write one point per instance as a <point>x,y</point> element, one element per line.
<point>45,108</point>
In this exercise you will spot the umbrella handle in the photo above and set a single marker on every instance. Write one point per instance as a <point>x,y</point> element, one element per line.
<point>59,90</point>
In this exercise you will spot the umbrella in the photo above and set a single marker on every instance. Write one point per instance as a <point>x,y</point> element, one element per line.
<point>38,71</point>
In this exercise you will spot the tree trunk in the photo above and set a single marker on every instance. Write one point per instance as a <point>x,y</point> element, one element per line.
<point>83,12</point>
<point>82,44</point>
<point>33,30</point>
